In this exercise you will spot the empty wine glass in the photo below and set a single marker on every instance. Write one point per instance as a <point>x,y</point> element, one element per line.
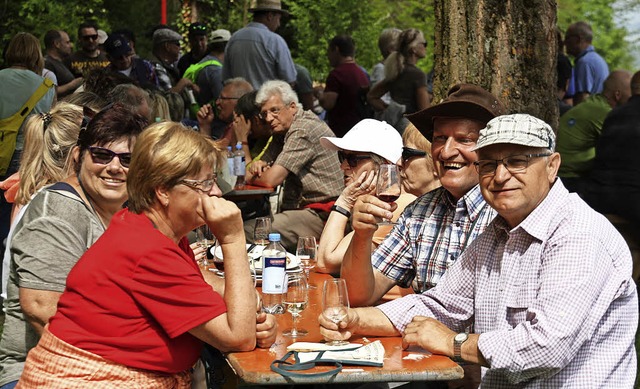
<point>261,231</point>
<point>206,240</point>
<point>388,186</point>
<point>306,253</point>
<point>295,300</point>
<point>335,304</point>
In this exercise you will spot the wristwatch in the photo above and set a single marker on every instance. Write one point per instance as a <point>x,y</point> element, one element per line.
<point>457,346</point>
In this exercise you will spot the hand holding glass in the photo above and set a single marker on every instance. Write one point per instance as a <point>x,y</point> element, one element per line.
<point>388,186</point>
<point>206,240</point>
<point>295,300</point>
<point>306,252</point>
<point>335,304</point>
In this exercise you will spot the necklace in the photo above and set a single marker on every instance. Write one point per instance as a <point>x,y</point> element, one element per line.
<point>91,203</point>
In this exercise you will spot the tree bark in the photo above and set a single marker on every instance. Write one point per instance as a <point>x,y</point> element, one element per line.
<point>506,46</point>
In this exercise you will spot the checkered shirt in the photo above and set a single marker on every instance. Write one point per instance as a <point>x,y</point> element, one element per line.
<point>430,235</point>
<point>552,299</point>
<point>314,172</point>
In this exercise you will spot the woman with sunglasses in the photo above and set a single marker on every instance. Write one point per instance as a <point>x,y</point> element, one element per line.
<point>361,151</point>
<point>61,222</point>
<point>416,170</point>
<point>144,317</point>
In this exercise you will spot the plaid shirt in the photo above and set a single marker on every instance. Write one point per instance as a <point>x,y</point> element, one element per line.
<point>314,172</point>
<point>552,299</point>
<point>430,235</point>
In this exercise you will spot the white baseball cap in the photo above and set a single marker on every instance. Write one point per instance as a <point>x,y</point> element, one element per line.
<point>368,136</point>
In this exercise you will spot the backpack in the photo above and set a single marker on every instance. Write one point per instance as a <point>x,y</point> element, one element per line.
<point>9,126</point>
<point>192,71</point>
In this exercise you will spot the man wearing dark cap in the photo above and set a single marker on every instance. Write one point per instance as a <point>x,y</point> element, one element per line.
<point>198,42</point>
<point>122,60</point>
<point>166,49</point>
<point>547,287</point>
<point>255,52</point>
<point>433,231</point>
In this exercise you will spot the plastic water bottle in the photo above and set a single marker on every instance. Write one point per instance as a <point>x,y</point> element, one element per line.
<point>239,166</point>
<point>193,104</point>
<point>230,162</point>
<point>274,285</point>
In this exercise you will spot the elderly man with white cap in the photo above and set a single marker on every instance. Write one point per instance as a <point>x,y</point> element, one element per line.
<point>548,285</point>
<point>361,151</point>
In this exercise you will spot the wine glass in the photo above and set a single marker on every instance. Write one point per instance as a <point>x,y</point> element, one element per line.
<point>216,258</point>
<point>335,304</point>
<point>261,231</point>
<point>206,240</point>
<point>296,299</point>
<point>388,186</point>
<point>306,253</point>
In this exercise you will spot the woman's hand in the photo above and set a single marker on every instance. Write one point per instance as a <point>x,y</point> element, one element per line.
<point>364,184</point>
<point>198,252</point>
<point>223,218</point>
<point>266,330</point>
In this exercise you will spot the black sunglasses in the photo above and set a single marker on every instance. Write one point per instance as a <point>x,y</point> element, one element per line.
<point>92,37</point>
<point>408,153</point>
<point>105,156</point>
<point>352,159</point>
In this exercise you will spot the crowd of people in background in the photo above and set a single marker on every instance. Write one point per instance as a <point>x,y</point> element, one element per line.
<point>495,255</point>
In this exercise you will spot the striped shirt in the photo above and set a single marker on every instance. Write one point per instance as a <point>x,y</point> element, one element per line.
<point>430,235</point>
<point>552,299</point>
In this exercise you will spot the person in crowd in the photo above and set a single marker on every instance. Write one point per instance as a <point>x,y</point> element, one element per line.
<point>141,276</point>
<point>546,284</point>
<point>433,231</point>
<point>130,36</point>
<point>255,52</point>
<point>250,130</point>
<point>590,69</point>
<point>209,75</point>
<point>304,87</point>
<point>136,99</point>
<point>61,222</point>
<point>58,46</point>
<point>89,56</point>
<point>565,72</point>
<point>197,38</point>
<point>20,80</point>
<point>344,87</point>
<point>49,138</point>
<point>405,82</point>
<point>166,50</point>
<point>86,99</point>
<point>160,110</point>
<point>361,151</point>
<point>219,124</point>
<point>101,81</point>
<point>102,38</point>
<point>310,173</point>
<point>581,126</point>
<point>387,44</point>
<point>121,59</point>
<point>417,170</point>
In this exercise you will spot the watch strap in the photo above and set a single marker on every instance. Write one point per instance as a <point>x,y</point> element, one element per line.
<point>457,348</point>
<point>341,210</point>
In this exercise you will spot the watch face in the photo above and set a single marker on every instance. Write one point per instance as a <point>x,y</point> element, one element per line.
<point>461,337</point>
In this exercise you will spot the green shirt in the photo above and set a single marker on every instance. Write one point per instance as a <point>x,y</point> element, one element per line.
<point>579,130</point>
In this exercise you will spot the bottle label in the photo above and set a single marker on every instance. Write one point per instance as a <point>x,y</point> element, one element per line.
<point>230,163</point>
<point>273,275</point>
<point>239,165</point>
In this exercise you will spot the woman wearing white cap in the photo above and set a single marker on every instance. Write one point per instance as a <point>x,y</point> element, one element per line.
<point>361,151</point>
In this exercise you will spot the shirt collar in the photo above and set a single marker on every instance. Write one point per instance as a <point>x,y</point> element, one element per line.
<point>472,201</point>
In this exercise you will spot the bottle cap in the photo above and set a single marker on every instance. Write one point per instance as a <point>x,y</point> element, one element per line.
<point>229,148</point>
<point>239,146</point>
<point>274,237</point>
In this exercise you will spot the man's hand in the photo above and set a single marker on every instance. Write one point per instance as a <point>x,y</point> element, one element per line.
<point>241,127</point>
<point>368,212</point>
<point>344,330</point>
<point>266,330</point>
<point>257,168</point>
<point>429,334</point>
<point>205,117</point>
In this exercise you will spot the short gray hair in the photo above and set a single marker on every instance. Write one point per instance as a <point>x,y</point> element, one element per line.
<point>276,87</point>
<point>240,86</point>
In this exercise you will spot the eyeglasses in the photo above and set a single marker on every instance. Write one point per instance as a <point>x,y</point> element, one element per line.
<point>221,97</point>
<point>273,111</point>
<point>352,159</point>
<point>514,164</point>
<point>105,156</point>
<point>408,153</point>
<point>90,37</point>
<point>203,186</point>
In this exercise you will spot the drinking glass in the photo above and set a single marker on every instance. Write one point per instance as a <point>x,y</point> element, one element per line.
<point>388,186</point>
<point>217,260</point>
<point>335,304</point>
<point>295,300</point>
<point>206,240</point>
<point>261,231</point>
<point>306,252</point>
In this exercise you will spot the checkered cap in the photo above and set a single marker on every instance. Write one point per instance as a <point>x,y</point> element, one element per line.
<point>517,129</point>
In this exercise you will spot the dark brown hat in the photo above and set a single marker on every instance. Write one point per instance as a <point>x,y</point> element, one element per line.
<point>462,101</point>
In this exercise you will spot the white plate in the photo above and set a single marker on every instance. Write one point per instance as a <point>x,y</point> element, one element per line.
<point>256,255</point>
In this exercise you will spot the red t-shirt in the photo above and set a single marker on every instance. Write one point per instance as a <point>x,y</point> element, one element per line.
<point>132,297</point>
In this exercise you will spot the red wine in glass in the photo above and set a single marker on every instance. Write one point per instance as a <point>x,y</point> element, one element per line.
<point>388,198</point>
<point>388,186</point>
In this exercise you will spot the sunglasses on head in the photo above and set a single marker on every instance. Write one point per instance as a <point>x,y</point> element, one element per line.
<point>408,153</point>
<point>352,159</point>
<point>105,156</point>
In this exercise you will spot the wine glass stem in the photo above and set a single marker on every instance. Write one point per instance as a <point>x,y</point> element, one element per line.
<point>294,326</point>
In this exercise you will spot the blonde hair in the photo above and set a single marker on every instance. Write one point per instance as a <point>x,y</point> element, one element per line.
<point>407,41</point>
<point>24,50</point>
<point>159,106</point>
<point>46,158</point>
<point>412,135</point>
<point>165,154</point>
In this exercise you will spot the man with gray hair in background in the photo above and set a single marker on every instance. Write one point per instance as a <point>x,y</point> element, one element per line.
<point>310,173</point>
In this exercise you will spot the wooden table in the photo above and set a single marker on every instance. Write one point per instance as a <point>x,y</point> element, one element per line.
<point>253,367</point>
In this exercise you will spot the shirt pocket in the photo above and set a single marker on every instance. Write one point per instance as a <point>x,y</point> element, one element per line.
<point>518,303</point>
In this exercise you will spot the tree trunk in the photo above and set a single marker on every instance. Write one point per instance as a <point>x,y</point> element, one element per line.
<point>506,46</point>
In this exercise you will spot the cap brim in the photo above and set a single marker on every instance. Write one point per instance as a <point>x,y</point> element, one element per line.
<point>334,143</point>
<point>423,120</point>
<point>269,10</point>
